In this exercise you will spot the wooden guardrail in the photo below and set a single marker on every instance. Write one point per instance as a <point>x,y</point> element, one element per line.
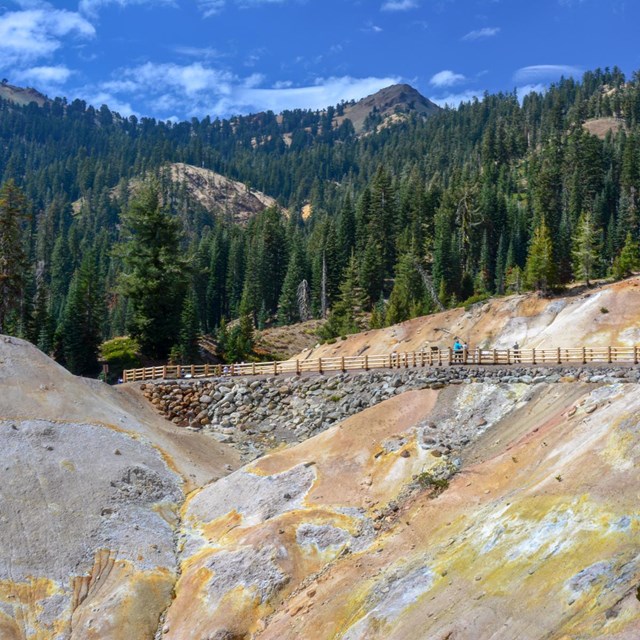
<point>430,357</point>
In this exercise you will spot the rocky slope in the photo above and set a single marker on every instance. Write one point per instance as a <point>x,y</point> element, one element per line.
<point>92,481</point>
<point>391,104</point>
<point>368,531</point>
<point>20,95</point>
<point>608,315</point>
<point>225,198</point>
<point>222,198</point>
<point>446,503</point>
<point>255,416</point>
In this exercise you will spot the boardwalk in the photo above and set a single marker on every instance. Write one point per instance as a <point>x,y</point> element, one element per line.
<point>428,358</point>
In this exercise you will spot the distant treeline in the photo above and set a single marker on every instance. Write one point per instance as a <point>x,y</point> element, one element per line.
<point>489,198</point>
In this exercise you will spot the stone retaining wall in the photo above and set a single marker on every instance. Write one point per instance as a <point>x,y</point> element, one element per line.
<point>255,415</point>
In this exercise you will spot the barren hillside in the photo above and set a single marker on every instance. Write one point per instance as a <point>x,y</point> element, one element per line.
<point>91,483</point>
<point>467,510</point>
<point>603,316</point>
<point>361,532</point>
<point>395,101</point>
<point>221,196</point>
<point>20,95</point>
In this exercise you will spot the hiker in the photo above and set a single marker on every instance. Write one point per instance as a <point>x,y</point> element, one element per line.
<point>516,351</point>
<point>457,350</point>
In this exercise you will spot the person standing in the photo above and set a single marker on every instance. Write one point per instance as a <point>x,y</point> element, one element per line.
<point>457,350</point>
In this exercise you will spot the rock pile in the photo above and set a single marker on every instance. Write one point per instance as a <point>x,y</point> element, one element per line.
<point>256,415</point>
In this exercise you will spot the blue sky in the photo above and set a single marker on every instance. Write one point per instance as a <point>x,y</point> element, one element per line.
<point>178,59</point>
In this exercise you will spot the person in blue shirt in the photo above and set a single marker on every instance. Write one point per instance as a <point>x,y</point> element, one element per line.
<point>457,350</point>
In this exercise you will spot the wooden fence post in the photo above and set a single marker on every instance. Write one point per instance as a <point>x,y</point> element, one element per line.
<point>164,372</point>
<point>635,355</point>
<point>366,363</point>
<point>584,355</point>
<point>559,356</point>
<point>609,355</point>
<point>533,356</point>
<point>275,368</point>
<point>297,367</point>
<point>319,365</point>
<point>342,364</point>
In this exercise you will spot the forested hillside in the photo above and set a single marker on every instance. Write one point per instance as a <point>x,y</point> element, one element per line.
<point>427,212</point>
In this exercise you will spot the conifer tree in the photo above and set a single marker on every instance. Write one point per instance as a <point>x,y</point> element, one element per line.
<point>540,268</point>
<point>629,259</point>
<point>288,311</point>
<point>407,296</point>
<point>186,350</point>
<point>13,210</point>
<point>154,272</point>
<point>587,247</point>
<point>346,314</point>
<point>80,332</point>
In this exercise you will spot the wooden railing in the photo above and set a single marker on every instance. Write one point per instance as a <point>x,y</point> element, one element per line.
<point>431,357</point>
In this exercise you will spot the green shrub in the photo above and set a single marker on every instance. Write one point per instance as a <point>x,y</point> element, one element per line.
<point>479,297</point>
<point>119,354</point>
<point>426,480</point>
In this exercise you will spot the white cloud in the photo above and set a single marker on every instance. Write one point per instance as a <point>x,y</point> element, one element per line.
<point>399,5</point>
<point>454,99</point>
<point>372,28</point>
<point>26,36</point>
<point>162,90</point>
<point>479,34</point>
<point>203,53</point>
<point>45,77</point>
<point>210,8</point>
<point>446,78</point>
<point>324,92</point>
<point>91,7</point>
<point>529,88</point>
<point>540,72</point>
<point>99,98</point>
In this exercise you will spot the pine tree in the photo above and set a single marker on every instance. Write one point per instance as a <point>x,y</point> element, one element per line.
<point>288,311</point>
<point>154,272</point>
<point>186,351</point>
<point>80,332</point>
<point>346,314</point>
<point>407,296</point>
<point>13,210</point>
<point>629,259</point>
<point>371,275</point>
<point>540,268</point>
<point>587,246</point>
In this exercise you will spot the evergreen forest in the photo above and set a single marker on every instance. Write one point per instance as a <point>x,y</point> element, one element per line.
<point>496,196</point>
